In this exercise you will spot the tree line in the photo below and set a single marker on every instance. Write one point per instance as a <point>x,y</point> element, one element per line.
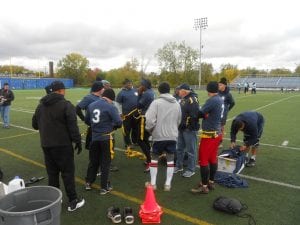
<point>177,62</point>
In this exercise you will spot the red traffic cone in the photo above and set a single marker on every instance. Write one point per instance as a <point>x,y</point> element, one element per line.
<point>150,211</point>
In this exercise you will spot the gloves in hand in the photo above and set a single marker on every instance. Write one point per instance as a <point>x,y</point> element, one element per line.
<point>78,147</point>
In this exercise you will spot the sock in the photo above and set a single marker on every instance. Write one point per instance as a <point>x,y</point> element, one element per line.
<point>204,174</point>
<point>253,157</point>
<point>170,172</point>
<point>153,171</point>
<point>212,171</point>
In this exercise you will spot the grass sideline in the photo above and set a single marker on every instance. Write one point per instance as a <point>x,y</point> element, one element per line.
<point>268,203</point>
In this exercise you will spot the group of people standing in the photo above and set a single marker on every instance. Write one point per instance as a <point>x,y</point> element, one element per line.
<point>173,122</point>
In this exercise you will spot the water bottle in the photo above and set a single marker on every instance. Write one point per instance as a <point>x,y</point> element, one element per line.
<point>16,184</point>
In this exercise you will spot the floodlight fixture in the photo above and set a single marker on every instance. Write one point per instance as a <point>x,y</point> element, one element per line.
<point>200,24</point>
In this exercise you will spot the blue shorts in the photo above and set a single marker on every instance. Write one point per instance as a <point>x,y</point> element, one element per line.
<point>159,147</point>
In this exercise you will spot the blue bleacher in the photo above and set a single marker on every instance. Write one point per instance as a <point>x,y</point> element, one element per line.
<point>269,82</point>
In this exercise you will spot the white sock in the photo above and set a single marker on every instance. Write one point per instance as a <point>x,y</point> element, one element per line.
<point>170,172</point>
<point>153,171</point>
<point>253,157</point>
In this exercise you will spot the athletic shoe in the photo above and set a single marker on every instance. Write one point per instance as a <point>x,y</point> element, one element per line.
<point>200,190</point>
<point>128,215</point>
<point>188,173</point>
<point>153,186</point>
<point>88,186</point>
<point>176,170</point>
<point>76,204</point>
<point>251,163</point>
<point>167,187</point>
<point>114,214</point>
<point>104,191</point>
<point>210,185</point>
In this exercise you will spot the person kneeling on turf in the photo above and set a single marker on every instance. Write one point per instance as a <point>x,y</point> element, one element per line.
<point>251,124</point>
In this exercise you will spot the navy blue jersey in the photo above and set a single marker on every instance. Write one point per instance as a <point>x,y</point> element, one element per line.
<point>189,113</point>
<point>212,113</point>
<point>254,123</point>
<point>144,100</point>
<point>88,99</point>
<point>228,103</point>
<point>103,119</point>
<point>128,99</point>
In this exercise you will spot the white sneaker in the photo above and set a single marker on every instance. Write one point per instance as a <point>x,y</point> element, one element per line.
<point>153,186</point>
<point>188,173</point>
<point>167,187</point>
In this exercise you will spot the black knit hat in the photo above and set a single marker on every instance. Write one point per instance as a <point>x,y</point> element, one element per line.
<point>146,83</point>
<point>164,87</point>
<point>109,93</point>
<point>97,86</point>
<point>212,87</point>
<point>57,85</point>
<point>223,80</point>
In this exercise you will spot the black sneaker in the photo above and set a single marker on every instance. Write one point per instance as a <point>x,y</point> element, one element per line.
<point>114,214</point>
<point>251,163</point>
<point>128,215</point>
<point>76,204</point>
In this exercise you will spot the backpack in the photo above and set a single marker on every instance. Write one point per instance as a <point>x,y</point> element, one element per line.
<point>232,206</point>
<point>228,205</point>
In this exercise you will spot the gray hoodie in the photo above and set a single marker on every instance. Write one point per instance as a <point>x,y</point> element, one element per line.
<point>163,118</point>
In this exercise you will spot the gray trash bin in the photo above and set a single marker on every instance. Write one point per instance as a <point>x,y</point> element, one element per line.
<point>38,205</point>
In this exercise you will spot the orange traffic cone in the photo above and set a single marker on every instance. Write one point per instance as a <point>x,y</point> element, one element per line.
<point>150,211</point>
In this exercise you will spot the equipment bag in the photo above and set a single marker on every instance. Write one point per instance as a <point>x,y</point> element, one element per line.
<point>232,206</point>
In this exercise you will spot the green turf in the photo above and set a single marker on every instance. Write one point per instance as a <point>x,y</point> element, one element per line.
<point>268,203</point>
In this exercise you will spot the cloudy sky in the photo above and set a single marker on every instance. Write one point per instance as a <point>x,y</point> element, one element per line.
<point>256,33</point>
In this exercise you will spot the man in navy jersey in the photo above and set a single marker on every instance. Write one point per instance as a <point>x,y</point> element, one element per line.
<point>127,98</point>
<point>251,124</point>
<point>145,97</point>
<point>96,91</point>
<point>225,94</point>
<point>211,112</point>
<point>104,118</point>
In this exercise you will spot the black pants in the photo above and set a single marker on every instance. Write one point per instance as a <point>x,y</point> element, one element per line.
<point>99,156</point>
<point>143,139</point>
<point>130,130</point>
<point>61,160</point>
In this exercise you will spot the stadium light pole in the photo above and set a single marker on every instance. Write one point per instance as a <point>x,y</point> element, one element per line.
<point>200,24</point>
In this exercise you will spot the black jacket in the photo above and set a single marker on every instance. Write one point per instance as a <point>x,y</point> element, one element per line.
<point>56,120</point>
<point>228,103</point>
<point>8,95</point>
<point>190,113</point>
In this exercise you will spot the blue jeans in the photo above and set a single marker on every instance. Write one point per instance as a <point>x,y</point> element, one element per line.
<point>187,140</point>
<point>4,111</point>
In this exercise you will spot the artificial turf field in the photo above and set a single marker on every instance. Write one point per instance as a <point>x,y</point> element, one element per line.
<point>274,200</point>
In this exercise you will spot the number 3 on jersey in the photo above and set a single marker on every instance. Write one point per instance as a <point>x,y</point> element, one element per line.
<point>96,117</point>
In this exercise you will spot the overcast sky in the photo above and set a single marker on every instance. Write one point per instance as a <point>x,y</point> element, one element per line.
<point>256,33</point>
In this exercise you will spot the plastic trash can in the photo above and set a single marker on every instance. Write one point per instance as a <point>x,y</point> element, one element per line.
<point>38,205</point>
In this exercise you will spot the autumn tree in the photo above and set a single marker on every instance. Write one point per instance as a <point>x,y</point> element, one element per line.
<point>73,66</point>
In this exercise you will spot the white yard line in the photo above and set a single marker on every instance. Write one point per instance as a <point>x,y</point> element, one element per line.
<point>269,181</point>
<point>272,103</point>
<point>277,146</point>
